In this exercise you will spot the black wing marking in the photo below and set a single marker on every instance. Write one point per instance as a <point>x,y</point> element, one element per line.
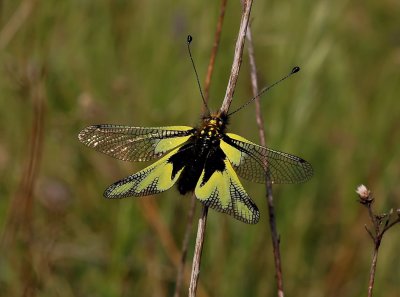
<point>281,167</point>
<point>134,143</point>
<point>154,179</point>
<point>219,188</point>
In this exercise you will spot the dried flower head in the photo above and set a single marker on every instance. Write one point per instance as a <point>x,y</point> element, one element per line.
<point>364,194</point>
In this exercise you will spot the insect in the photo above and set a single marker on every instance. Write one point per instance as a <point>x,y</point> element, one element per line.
<point>205,160</point>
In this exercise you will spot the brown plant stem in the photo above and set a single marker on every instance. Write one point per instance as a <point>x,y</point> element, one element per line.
<point>16,21</point>
<point>269,196</point>
<point>185,244</point>
<point>377,239</point>
<point>201,231</point>
<point>217,38</point>
<point>189,222</point>
<point>152,215</point>
<point>237,60</point>
<point>381,223</point>
<point>20,216</point>
<point>372,271</point>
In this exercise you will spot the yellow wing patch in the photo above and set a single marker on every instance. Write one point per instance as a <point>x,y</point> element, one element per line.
<point>224,192</point>
<point>240,138</point>
<point>219,182</point>
<point>151,180</point>
<point>234,155</point>
<point>134,143</point>
<point>167,144</point>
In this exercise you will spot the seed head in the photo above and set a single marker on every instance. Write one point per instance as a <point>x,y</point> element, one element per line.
<point>364,194</point>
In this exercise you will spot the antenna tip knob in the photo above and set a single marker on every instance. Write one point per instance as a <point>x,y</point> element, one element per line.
<point>189,39</point>
<point>295,69</point>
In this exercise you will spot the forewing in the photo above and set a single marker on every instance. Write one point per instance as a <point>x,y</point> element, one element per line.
<point>223,192</point>
<point>154,179</point>
<point>134,143</point>
<point>253,162</point>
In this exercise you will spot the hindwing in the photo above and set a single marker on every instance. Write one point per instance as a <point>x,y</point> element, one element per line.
<point>154,179</point>
<point>134,143</point>
<point>221,190</point>
<point>253,162</point>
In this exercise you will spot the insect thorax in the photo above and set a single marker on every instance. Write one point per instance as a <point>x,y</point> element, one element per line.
<point>212,129</point>
<point>203,147</point>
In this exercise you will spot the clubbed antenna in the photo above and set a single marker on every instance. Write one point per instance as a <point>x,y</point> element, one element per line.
<point>294,70</point>
<point>189,40</point>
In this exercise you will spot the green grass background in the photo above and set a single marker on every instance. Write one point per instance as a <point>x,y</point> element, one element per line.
<point>125,62</point>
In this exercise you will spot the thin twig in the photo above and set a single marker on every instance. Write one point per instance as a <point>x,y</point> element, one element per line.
<point>372,271</point>
<point>19,227</point>
<point>189,222</point>
<point>15,22</point>
<point>214,50</point>
<point>369,232</point>
<point>390,225</point>
<point>367,200</point>
<point>201,231</point>
<point>152,215</point>
<point>185,244</point>
<point>237,60</point>
<point>270,199</point>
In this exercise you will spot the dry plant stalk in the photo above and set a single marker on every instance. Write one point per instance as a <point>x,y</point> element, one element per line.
<point>237,61</point>
<point>189,221</point>
<point>19,225</point>
<point>16,21</point>
<point>185,245</point>
<point>152,215</point>
<point>381,223</point>
<point>217,38</point>
<point>201,231</point>
<point>268,184</point>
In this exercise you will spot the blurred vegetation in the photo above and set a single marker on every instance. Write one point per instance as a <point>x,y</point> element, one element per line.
<point>125,62</point>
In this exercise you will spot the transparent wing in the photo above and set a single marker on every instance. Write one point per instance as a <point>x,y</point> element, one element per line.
<point>222,191</point>
<point>134,143</point>
<point>154,179</point>
<point>248,159</point>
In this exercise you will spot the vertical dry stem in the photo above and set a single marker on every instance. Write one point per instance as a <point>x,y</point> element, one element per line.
<point>381,224</point>
<point>217,38</point>
<point>372,272</point>
<point>11,28</point>
<point>237,60</point>
<point>20,216</point>
<point>152,215</point>
<point>185,244</point>
<point>201,231</point>
<point>270,199</point>
<point>189,222</point>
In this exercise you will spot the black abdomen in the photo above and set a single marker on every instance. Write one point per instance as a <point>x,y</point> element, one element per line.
<point>192,158</point>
